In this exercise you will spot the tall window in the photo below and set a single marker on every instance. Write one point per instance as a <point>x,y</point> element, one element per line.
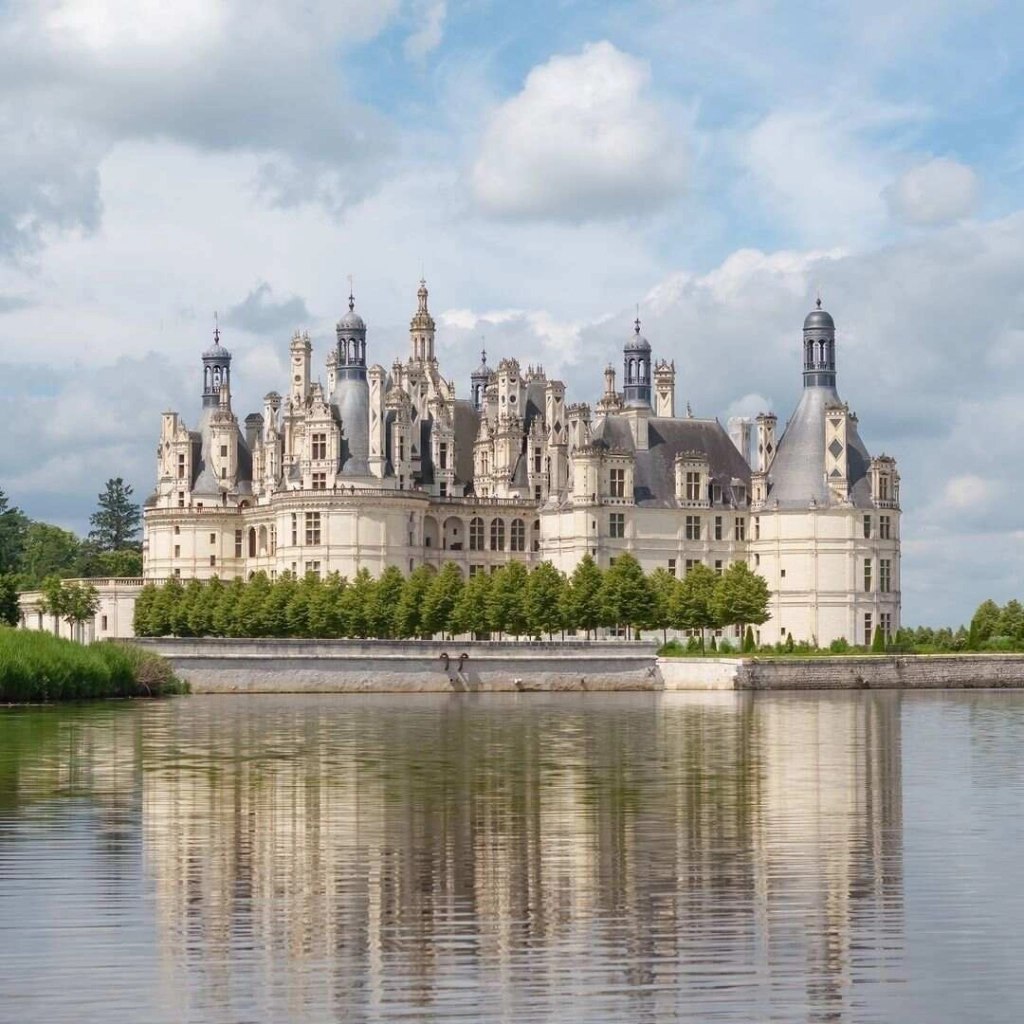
<point>718,567</point>
<point>181,467</point>
<point>867,574</point>
<point>718,527</point>
<point>693,527</point>
<point>319,481</point>
<point>885,621</point>
<point>867,627</point>
<point>497,534</point>
<point>691,562</point>
<point>618,482</point>
<point>252,542</point>
<point>537,463</point>
<point>885,527</point>
<point>319,446</point>
<point>476,534</point>
<point>617,524</point>
<point>273,540</point>
<point>238,543</point>
<point>693,486</point>
<point>884,575</point>
<point>312,527</point>
<point>867,527</point>
<point>757,527</point>
<point>883,488</point>
<point>313,568</point>
<point>442,455</point>
<point>740,528</point>
<point>295,529</point>
<point>671,567</point>
<point>517,535</point>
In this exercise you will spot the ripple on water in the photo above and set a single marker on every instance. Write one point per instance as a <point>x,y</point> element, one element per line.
<point>526,858</point>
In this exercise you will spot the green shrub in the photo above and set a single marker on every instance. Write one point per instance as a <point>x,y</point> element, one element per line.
<point>839,646</point>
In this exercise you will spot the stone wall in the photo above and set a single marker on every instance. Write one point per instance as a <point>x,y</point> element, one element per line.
<point>699,673</point>
<point>912,671</point>
<point>404,666</point>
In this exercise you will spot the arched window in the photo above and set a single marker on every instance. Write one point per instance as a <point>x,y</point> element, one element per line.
<point>631,372</point>
<point>497,534</point>
<point>252,542</point>
<point>821,353</point>
<point>476,534</point>
<point>517,536</point>
<point>641,368</point>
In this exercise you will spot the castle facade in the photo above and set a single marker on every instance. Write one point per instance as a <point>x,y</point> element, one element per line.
<point>382,467</point>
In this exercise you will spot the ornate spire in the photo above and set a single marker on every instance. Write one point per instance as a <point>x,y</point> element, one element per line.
<point>421,295</point>
<point>216,328</point>
<point>351,295</point>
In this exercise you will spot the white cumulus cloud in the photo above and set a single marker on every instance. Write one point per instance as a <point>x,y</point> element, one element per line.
<point>583,139</point>
<point>937,192</point>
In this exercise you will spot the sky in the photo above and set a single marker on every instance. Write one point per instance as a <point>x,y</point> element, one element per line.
<point>548,165</point>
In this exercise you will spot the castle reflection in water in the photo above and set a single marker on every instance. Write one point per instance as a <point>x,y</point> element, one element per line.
<point>576,855</point>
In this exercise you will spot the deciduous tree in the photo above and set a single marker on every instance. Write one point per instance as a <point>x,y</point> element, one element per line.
<point>545,612</point>
<point>583,596</point>
<point>441,599</point>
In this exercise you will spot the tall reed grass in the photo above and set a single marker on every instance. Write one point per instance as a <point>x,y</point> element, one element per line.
<point>36,666</point>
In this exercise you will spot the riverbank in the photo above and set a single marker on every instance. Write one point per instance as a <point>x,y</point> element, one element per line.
<point>38,668</point>
<point>426,666</point>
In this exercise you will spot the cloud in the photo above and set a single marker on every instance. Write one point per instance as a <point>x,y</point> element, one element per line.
<point>936,192</point>
<point>79,77</point>
<point>583,139</point>
<point>428,36</point>
<point>258,313</point>
<point>970,491</point>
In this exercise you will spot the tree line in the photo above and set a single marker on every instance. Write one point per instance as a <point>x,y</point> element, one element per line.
<point>513,601</point>
<point>32,551</point>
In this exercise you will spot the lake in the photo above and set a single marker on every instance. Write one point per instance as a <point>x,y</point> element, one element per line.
<point>517,858</point>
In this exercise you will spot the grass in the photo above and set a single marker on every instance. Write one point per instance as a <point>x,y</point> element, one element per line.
<point>38,667</point>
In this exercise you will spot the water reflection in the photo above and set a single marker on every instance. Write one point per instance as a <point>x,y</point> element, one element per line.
<point>557,858</point>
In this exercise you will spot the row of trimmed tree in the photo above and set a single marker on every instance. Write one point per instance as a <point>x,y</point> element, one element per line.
<point>512,601</point>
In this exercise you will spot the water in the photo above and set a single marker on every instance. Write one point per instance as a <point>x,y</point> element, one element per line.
<point>521,858</point>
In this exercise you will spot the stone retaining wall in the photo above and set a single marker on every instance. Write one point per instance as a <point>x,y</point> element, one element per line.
<point>906,671</point>
<point>407,666</point>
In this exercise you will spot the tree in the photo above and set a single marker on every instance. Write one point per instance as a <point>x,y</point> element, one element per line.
<point>877,641</point>
<point>470,613</point>
<point>694,606</point>
<point>224,620</point>
<point>330,611</point>
<point>386,599</point>
<point>409,616</point>
<point>13,526</point>
<point>1011,620</point>
<point>441,599</point>
<point>10,613</point>
<point>583,596</point>
<point>252,606</point>
<point>201,612</point>
<point>182,617</point>
<point>626,595</point>
<point>275,611</point>
<point>545,611</point>
<point>143,611</point>
<point>741,597</point>
<point>48,551</point>
<point>117,521</point>
<point>164,611</point>
<point>984,623</point>
<point>748,641</point>
<point>358,606</point>
<point>93,562</point>
<point>664,586</point>
<point>506,601</point>
<point>75,603</point>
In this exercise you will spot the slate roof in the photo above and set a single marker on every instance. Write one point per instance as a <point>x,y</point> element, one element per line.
<point>654,476</point>
<point>797,474</point>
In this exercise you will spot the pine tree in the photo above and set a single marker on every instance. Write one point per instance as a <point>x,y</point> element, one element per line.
<point>441,599</point>
<point>583,596</point>
<point>506,602</point>
<point>386,599</point>
<point>470,613</point>
<point>748,640</point>
<point>877,641</point>
<point>117,521</point>
<point>544,603</point>
<point>409,616</point>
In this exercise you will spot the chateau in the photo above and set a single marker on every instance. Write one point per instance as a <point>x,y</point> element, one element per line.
<point>381,467</point>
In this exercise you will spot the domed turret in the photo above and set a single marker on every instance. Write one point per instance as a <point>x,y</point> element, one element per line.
<point>422,327</point>
<point>351,332</point>
<point>216,370</point>
<point>478,381</point>
<point>351,398</point>
<point>636,370</point>
<point>819,348</point>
